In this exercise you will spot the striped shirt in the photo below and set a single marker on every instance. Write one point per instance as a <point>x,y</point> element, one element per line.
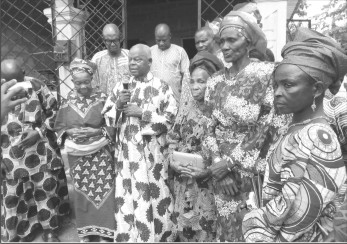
<point>111,70</point>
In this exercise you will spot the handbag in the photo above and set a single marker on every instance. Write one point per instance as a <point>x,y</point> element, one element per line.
<point>195,159</point>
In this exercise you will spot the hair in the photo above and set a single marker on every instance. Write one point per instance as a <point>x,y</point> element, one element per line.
<point>146,50</point>
<point>206,29</point>
<point>11,69</point>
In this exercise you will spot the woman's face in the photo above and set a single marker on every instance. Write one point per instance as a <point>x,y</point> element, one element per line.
<point>233,45</point>
<point>82,82</point>
<point>197,83</point>
<point>293,89</point>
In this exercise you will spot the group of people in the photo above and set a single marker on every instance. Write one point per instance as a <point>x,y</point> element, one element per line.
<point>264,149</point>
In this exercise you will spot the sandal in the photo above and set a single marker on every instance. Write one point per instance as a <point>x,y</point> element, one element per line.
<point>50,236</point>
<point>85,239</point>
<point>105,239</point>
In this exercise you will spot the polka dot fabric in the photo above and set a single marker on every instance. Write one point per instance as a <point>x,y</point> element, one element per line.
<point>31,202</point>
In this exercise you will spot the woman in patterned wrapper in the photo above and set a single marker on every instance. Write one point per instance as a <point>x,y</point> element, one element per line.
<point>305,169</point>
<point>85,142</point>
<point>239,106</point>
<point>34,188</point>
<point>194,210</point>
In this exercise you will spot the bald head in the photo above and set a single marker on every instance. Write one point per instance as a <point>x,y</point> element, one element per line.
<point>142,49</point>
<point>111,37</point>
<point>11,69</point>
<point>110,29</point>
<point>163,36</point>
<point>140,60</point>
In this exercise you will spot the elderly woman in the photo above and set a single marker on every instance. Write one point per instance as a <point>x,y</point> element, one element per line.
<point>305,168</point>
<point>86,143</point>
<point>194,210</point>
<point>239,104</point>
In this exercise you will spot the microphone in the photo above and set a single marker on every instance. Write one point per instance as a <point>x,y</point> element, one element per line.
<point>125,87</point>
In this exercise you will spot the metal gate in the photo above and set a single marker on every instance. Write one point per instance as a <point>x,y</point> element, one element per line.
<point>44,48</point>
<point>208,10</point>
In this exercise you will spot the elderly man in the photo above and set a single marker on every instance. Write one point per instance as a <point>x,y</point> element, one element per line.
<point>112,63</point>
<point>170,62</point>
<point>33,179</point>
<point>143,203</point>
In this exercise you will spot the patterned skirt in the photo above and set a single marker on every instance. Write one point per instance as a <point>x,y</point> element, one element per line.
<point>31,202</point>
<point>93,177</point>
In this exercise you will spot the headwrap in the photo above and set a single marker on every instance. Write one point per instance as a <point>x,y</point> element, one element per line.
<point>206,61</point>
<point>214,25</point>
<point>317,55</point>
<point>81,66</point>
<point>247,26</point>
<point>250,8</point>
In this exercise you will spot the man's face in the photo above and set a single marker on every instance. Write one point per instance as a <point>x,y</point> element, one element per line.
<point>203,41</point>
<point>112,43</point>
<point>163,40</point>
<point>139,64</point>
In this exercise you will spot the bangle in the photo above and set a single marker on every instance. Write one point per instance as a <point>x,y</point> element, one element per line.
<point>230,168</point>
<point>39,131</point>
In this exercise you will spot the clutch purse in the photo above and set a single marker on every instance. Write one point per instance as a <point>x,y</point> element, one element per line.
<point>195,159</point>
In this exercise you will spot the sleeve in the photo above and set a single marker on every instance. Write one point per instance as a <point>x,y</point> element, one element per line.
<point>111,114</point>
<point>160,120</point>
<point>96,76</point>
<point>184,67</point>
<point>60,125</point>
<point>264,224</point>
<point>50,107</point>
<point>210,144</point>
<point>108,131</point>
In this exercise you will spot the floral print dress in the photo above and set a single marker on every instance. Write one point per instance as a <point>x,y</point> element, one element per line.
<point>194,210</point>
<point>240,109</point>
<point>143,203</point>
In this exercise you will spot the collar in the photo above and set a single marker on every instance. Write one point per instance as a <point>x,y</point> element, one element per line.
<point>148,77</point>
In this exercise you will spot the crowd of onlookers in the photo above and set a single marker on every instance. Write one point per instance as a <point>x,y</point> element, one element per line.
<point>229,146</point>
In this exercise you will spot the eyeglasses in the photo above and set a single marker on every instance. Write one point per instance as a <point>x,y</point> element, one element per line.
<point>109,42</point>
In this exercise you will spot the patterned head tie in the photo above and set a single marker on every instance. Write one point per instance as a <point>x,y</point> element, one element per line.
<point>317,55</point>
<point>247,26</point>
<point>207,61</point>
<point>82,66</point>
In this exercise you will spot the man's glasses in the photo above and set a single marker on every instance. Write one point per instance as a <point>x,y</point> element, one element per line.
<point>109,42</point>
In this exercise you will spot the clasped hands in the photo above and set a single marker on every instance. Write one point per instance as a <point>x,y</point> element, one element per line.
<point>83,132</point>
<point>188,170</point>
<point>129,110</point>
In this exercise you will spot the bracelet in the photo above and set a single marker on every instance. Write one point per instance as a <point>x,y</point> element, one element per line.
<point>39,131</point>
<point>230,166</point>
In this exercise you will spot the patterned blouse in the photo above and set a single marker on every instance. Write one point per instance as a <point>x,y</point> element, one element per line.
<point>305,172</point>
<point>194,199</point>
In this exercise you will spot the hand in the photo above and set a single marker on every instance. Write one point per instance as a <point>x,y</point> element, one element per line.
<point>32,136</point>
<point>124,97</point>
<point>132,110</point>
<point>84,132</point>
<point>6,103</point>
<point>180,168</point>
<point>242,210</point>
<point>197,172</point>
<point>228,185</point>
<point>219,170</point>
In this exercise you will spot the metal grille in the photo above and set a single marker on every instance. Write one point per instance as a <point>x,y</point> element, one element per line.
<point>28,36</point>
<point>211,9</point>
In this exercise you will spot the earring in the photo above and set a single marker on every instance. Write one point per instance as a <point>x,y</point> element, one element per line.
<point>313,106</point>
